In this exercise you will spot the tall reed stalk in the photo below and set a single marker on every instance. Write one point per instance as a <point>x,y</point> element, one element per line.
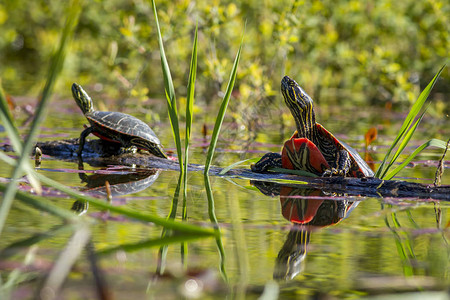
<point>222,110</point>
<point>170,91</point>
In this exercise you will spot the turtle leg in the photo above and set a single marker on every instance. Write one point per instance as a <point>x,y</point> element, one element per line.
<point>302,154</point>
<point>342,207</point>
<point>268,160</point>
<point>80,207</point>
<point>131,149</point>
<point>157,152</point>
<point>83,136</point>
<point>154,149</point>
<point>343,165</point>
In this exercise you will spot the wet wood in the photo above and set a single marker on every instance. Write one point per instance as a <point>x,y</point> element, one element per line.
<point>100,153</point>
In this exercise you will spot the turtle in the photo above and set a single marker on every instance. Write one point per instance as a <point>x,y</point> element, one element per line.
<point>115,126</point>
<point>312,148</point>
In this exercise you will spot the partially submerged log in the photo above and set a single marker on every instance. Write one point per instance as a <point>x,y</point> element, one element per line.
<point>100,153</point>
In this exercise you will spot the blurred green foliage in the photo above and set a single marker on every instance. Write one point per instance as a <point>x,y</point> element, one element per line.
<point>342,52</point>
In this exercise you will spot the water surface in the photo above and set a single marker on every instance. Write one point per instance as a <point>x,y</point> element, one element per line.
<point>299,244</point>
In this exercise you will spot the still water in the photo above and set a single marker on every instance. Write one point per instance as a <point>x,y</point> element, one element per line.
<point>284,242</point>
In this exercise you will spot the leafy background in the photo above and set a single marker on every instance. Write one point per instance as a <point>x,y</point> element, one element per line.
<point>348,53</point>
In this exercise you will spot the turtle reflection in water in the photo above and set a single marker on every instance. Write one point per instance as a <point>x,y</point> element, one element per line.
<point>121,182</point>
<point>307,214</point>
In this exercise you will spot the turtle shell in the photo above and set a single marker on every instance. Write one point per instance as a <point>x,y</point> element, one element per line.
<point>328,145</point>
<point>125,129</point>
<point>359,167</point>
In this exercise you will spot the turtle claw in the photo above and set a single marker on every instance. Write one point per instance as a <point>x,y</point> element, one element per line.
<point>132,149</point>
<point>327,173</point>
<point>333,172</point>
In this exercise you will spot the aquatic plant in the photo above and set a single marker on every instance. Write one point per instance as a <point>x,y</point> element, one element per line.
<point>173,116</point>
<point>405,134</point>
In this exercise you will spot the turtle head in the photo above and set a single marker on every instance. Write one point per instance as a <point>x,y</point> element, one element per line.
<point>300,105</point>
<point>82,98</point>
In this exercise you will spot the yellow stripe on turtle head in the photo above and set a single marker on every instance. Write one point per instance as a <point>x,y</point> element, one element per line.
<point>82,99</point>
<point>300,105</point>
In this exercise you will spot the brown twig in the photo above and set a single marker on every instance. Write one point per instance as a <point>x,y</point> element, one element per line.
<point>440,168</point>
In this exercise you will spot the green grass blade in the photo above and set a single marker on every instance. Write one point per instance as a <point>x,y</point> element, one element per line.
<point>411,219</point>
<point>31,175</point>
<point>213,219</point>
<point>190,94</point>
<point>402,246</point>
<point>415,109</point>
<point>14,248</point>
<point>170,91</point>
<point>6,119</point>
<point>189,120</point>
<point>189,116</point>
<point>55,68</point>
<point>66,259</point>
<point>167,232</point>
<point>18,276</point>
<point>286,181</point>
<point>237,230</point>
<point>43,204</point>
<point>406,138</point>
<point>433,142</point>
<point>168,224</point>
<point>158,242</point>
<point>222,110</point>
<point>13,134</point>
<point>176,197</point>
<point>228,168</point>
<point>382,169</point>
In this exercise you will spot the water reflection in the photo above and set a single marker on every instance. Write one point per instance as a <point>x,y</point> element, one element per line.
<point>308,210</point>
<point>117,183</point>
<point>127,182</point>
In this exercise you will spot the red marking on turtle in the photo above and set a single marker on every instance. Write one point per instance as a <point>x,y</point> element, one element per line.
<point>302,154</point>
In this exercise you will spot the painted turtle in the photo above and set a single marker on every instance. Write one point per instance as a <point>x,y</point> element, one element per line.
<point>115,126</point>
<point>312,148</point>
